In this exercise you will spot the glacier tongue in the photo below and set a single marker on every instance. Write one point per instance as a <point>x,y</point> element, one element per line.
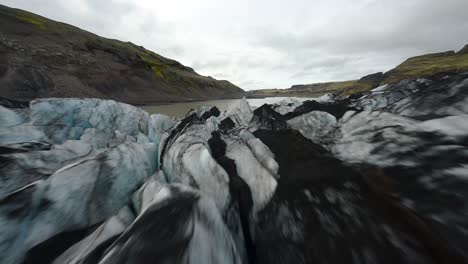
<point>375,178</point>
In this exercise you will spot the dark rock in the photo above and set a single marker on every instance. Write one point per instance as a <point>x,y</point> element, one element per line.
<point>226,124</point>
<point>464,50</point>
<point>356,96</point>
<point>337,108</point>
<point>13,103</point>
<point>301,161</point>
<point>3,70</point>
<point>214,111</point>
<point>373,80</point>
<point>375,77</point>
<point>265,117</point>
<point>300,86</point>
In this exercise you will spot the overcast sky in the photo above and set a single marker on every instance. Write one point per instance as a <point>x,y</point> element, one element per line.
<point>271,43</point>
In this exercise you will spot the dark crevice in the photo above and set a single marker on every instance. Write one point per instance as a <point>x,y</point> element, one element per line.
<point>8,103</point>
<point>24,147</point>
<point>99,251</point>
<point>226,124</point>
<point>238,188</point>
<point>47,251</point>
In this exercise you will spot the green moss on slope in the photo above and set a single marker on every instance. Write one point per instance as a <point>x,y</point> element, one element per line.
<point>155,66</point>
<point>427,65</point>
<point>32,19</point>
<point>417,67</point>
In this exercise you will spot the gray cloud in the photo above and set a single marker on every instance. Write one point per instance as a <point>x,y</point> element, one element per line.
<point>273,43</point>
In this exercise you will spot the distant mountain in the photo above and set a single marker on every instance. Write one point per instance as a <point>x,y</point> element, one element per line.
<point>44,58</point>
<point>425,66</point>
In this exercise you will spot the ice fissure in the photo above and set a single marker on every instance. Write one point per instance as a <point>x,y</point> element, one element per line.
<point>240,191</point>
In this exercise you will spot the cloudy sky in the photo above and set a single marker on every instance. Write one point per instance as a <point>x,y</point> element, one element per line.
<point>271,43</point>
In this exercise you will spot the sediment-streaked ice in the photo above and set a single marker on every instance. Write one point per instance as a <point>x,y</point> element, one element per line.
<point>378,177</point>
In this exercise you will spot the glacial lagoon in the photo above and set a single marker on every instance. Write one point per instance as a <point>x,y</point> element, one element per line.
<point>181,109</point>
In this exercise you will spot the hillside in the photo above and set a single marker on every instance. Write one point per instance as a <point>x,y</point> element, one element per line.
<point>44,58</point>
<point>424,66</point>
<point>428,65</point>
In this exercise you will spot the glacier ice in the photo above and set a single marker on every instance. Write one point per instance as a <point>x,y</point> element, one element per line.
<point>76,196</point>
<point>316,125</point>
<point>240,113</point>
<point>380,177</point>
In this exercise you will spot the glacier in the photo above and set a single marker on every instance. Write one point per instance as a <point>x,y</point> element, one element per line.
<point>378,177</point>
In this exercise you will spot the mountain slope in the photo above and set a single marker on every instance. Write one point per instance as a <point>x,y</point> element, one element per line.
<point>428,65</point>
<point>44,58</point>
<point>425,66</point>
